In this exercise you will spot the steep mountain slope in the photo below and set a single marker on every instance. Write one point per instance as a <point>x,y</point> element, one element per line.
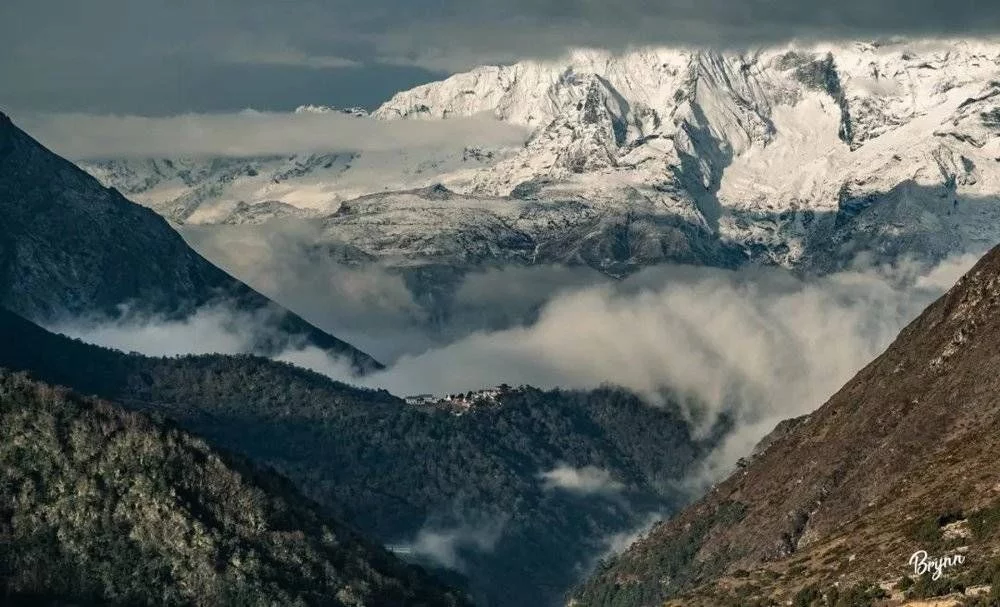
<point>103,506</point>
<point>435,226</point>
<point>519,493</point>
<point>901,459</point>
<point>70,247</point>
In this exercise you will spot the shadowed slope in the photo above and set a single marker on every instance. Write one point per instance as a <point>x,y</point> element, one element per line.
<point>470,484</point>
<point>69,247</point>
<point>103,506</point>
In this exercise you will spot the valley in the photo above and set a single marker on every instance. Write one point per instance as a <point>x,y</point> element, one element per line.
<point>656,325</point>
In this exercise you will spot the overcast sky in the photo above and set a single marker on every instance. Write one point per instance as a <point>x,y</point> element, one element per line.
<point>171,56</point>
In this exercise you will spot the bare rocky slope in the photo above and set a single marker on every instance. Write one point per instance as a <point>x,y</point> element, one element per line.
<point>901,459</point>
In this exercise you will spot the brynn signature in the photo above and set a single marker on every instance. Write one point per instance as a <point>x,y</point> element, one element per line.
<point>922,563</point>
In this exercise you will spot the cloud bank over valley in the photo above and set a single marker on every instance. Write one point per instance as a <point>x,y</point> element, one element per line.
<point>759,345</point>
<point>252,133</point>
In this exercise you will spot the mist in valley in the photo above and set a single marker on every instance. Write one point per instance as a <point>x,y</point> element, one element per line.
<point>758,345</point>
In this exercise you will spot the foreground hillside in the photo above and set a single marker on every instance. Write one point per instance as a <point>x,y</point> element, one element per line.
<point>103,506</point>
<point>902,459</point>
<point>520,493</point>
<point>70,247</point>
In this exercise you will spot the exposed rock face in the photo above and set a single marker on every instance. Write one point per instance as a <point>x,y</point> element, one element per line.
<point>757,149</point>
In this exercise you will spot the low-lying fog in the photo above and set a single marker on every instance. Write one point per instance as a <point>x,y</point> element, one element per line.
<point>761,344</point>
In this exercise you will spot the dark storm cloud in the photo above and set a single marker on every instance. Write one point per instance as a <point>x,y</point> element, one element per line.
<point>482,31</point>
<point>171,56</point>
<point>178,86</point>
<point>160,56</point>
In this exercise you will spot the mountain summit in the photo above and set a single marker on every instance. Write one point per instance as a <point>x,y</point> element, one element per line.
<point>901,460</point>
<point>71,247</point>
<point>799,156</point>
<point>777,151</point>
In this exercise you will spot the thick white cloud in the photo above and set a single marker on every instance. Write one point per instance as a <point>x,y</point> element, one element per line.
<point>588,480</point>
<point>712,333</point>
<point>253,133</point>
<point>210,330</point>
<point>759,345</point>
<point>444,546</point>
<point>370,308</point>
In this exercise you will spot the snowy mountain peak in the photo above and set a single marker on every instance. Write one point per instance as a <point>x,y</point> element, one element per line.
<point>674,120</point>
<point>655,154</point>
<point>357,112</point>
<point>775,150</point>
<point>879,86</point>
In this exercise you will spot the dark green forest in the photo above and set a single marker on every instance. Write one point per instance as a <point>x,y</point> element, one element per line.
<point>394,469</point>
<point>100,505</point>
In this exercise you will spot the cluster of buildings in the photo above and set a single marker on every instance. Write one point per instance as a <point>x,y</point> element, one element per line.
<point>459,403</point>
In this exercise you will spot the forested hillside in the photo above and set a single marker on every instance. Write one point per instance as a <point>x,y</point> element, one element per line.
<point>397,470</point>
<point>99,505</point>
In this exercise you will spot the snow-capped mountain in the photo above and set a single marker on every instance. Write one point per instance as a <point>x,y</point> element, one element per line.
<point>357,112</point>
<point>774,151</point>
<point>436,226</point>
<point>799,156</point>
<point>254,189</point>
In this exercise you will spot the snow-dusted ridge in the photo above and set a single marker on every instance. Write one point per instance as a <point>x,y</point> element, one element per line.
<point>783,155</point>
<point>358,112</point>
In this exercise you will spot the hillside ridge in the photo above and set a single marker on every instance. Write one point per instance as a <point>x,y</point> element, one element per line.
<point>71,248</point>
<point>848,493</point>
<point>103,506</point>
